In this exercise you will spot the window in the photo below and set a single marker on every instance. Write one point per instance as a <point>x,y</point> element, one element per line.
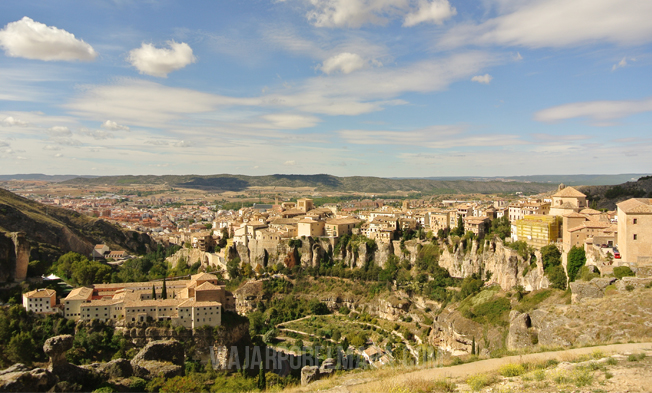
<point>635,221</point>
<point>635,236</point>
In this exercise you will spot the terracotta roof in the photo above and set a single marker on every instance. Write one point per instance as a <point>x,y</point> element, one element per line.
<point>340,221</point>
<point>636,205</point>
<point>568,192</point>
<point>38,293</point>
<point>590,211</point>
<point>575,215</point>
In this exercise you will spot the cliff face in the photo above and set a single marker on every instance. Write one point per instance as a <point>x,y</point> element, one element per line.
<point>14,256</point>
<point>49,232</point>
<point>455,334</point>
<point>497,264</point>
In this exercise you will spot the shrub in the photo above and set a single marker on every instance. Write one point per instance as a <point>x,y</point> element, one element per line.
<point>612,361</point>
<point>478,381</point>
<point>539,375</point>
<point>635,357</point>
<point>511,370</point>
<point>585,274</point>
<point>629,287</point>
<point>623,271</point>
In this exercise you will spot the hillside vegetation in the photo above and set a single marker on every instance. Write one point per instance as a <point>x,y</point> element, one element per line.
<point>321,182</point>
<point>606,197</point>
<point>53,231</point>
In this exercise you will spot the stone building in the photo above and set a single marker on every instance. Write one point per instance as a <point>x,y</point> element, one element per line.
<point>635,231</point>
<point>40,300</point>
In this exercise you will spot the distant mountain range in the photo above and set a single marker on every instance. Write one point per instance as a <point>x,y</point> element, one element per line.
<point>41,177</point>
<point>320,182</point>
<point>569,180</point>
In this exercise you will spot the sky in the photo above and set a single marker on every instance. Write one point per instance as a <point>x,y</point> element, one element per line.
<point>389,88</point>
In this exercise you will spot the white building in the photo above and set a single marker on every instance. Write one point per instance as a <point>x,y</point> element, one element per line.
<point>40,300</point>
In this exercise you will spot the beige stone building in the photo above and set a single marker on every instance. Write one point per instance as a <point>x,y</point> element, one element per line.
<point>587,227</point>
<point>439,220</point>
<point>477,225</point>
<point>40,300</point>
<point>567,200</point>
<point>337,227</point>
<point>305,204</point>
<point>199,301</point>
<point>635,231</point>
<point>311,227</point>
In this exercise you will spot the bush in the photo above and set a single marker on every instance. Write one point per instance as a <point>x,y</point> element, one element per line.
<point>478,381</point>
<point>550,256</point>
<point>623,271</point>
<point>629,287</point>
<point>585,274</point>
<point>511,370</point>
<point>557,277</point>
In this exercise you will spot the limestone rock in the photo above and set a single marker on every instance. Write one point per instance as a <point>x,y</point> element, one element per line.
<point>17,379</point>
<point>157,358</point>
<point>587,289</point>
<point>118,368</point>
<point>309,374</point>
<point>56,348</point>
<point>545,325</point>
<point>635,282</point>
<point>519,331</point>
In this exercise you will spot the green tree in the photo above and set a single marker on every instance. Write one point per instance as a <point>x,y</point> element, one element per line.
<point>576,259</point>
<point>164,291</point>
<point>153,292</point>
<point>556,276</point>
<point>262,383</point>
<point>550,256</point>
<point>473,347</point>
<point>459,230</point>
<point>21,348</point>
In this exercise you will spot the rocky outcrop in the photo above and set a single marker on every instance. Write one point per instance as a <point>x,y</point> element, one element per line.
<point>18,378</point>
<point>314,373</point>
<point>192,255</point>
<point>159,358</point>
<point>589,289</point>
<point>14,256</point>
<point>56,348</point>
<point>497,264</point>
<point>454,334</point>
<point>520,334</point>
<point>627,283</point>
<point>393,308</point>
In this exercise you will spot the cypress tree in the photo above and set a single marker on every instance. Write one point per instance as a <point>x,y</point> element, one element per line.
<point>164,292</point>
<point>473,351</point>
<point>262,381</point>
<point>153,292</point>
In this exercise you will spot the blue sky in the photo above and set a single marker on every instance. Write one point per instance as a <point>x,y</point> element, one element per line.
<point>347,87</point>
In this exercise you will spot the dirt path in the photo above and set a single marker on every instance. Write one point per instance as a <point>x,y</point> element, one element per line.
<point>361,383</point>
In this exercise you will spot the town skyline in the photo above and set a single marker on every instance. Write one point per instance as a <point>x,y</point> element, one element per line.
<point>395,88</point>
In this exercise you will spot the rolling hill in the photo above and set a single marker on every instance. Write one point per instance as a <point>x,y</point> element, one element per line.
<point>606,197</point>
<point>320,182</point>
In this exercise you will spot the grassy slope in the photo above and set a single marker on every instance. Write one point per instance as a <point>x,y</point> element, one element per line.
<point>600,194</point>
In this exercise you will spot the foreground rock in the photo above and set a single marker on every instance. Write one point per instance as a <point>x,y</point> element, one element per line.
<point>159,358</point>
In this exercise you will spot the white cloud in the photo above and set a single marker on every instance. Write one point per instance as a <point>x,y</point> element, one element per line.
<point>559,23</point>
<point>290,163</point>
<point>161,61</point>
<point>290,121</point>
<point>354,13</point>
<point>182,144</point>
<point>33,40</point>
<point>51,147</point>
<point>343,62</point>
<point>596,110</point>
<point>486,78</point>
<point>434,137</point>
<point>96,134</point>
<point>622,63</point>
<point>58,155</point>
<point>11,121</point>
<point>113,126</point>
<point>59,131</point>
<point>435,11</point>
<point>4,144</point>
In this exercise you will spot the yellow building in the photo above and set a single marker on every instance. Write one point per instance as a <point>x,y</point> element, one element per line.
<point>538,230</point>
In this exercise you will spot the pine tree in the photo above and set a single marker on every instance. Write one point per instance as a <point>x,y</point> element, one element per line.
<point>153,292</point>
<point>164,291</point>
<point>473,351</point>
